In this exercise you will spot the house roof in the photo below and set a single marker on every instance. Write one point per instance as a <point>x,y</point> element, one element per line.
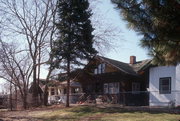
<point>63,76</point>
<point>141,65</point>
<point>72,83</point>
<point>59,83</point>
<point>132,69</point>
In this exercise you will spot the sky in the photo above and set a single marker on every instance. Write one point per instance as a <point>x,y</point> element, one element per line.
<point>128,40</point>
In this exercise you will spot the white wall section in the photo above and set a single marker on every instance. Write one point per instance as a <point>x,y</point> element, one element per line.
<point>155,73</point>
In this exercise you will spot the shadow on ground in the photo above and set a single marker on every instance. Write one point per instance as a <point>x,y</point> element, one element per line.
<point>101,109</point>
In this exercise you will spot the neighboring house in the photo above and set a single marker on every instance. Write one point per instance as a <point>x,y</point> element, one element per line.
<point>57,91</point>
<point>164,86</point>
<point>126,83</point>
<point>60,92</point>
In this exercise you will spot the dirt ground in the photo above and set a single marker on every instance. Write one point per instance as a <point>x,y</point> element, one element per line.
<point>26,115</point>
<point>86,113</point>
<point>29,115</point>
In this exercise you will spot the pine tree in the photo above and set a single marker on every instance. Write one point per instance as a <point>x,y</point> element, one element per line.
<point>75,42</point>
<point>159,23</point>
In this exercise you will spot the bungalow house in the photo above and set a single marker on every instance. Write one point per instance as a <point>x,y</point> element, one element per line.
<point>126,83</point>
<point>114,81</point>
<point>164,85</point>
<point>136,83</point>
<point>58,93</point>
<point>57,90</point>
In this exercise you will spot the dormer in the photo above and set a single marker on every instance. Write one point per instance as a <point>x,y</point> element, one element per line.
<point>100,69</point>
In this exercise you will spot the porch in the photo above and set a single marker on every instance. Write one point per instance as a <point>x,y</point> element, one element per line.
<point>117,88</point>
<point>122,98</point>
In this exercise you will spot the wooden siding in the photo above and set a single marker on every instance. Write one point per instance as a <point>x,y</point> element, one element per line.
<point>110,68</point>
<point>93,84</point>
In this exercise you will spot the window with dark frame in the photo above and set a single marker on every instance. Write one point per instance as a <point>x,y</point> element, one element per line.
<point>135,88</point>
<point>165,85</point>
<point>65,91</point>
<point>75,90</point>
<point>106,88</point>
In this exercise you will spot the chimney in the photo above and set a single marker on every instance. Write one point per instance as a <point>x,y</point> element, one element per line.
<point>132,59</point>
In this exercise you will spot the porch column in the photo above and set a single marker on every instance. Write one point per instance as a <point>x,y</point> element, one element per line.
<point>70,90</point>
<point>49,91</point>
<point>55,91</point>
<point>58,91</point>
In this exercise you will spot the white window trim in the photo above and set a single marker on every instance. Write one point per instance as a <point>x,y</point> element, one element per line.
<point>100,69</point>
<point>111,88</point>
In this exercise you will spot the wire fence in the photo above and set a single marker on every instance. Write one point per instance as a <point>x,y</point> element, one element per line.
<point>137,98</point>
<point>127,98</point>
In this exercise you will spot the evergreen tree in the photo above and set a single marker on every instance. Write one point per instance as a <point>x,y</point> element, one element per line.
<point>159,23</point>
<point>75,42</point>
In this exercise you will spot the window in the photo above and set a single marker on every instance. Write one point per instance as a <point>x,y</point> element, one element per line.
<point>103,68</point>
<point>105,88</point>
<point>52,91</point>
<point>95,71</point>
<point>64,91</point>
<point>57,91</point>
<point>75,90</point>
<point>165,85</point>
<point>111,88</point>
<point>135,87</point>
<point>100,69</point>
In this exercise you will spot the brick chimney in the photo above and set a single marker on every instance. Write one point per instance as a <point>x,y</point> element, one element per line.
<point>132,59</point>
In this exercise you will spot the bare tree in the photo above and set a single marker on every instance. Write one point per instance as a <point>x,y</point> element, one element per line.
<point>15,68</point>
<point>32,22</point>
<point>105,32</point>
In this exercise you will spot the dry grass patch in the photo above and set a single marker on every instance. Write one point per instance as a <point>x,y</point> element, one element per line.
<point>141,116</point>
<point>88,113</point>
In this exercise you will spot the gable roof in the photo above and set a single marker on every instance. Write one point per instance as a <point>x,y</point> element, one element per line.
<point>132,69</point>
<point>141,65</point>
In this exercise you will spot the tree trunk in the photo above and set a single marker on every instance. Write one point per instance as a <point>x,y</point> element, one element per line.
<point>38,75</point>
<point>35,90</point>
<point>25,101</point>
<point>15,97</point>
<point>10,99</point>
<point>68,83</point>
<point>46,95</point>
<point>46,86</point>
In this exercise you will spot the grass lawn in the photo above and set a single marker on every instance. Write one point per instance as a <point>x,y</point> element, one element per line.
<point>88,113</point>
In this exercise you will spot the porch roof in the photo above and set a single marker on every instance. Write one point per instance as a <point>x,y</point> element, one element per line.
<point>72,83</point>
<point>58,83</point>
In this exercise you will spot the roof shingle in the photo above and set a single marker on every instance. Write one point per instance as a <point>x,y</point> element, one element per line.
<point>132,69</point>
